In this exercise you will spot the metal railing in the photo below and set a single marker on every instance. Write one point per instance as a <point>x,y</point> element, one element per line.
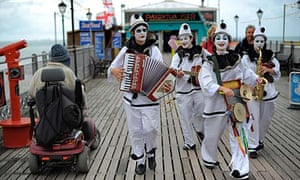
<point>33,63</point>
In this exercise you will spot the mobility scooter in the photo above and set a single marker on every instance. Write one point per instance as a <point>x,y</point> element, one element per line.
<point>61,135</point>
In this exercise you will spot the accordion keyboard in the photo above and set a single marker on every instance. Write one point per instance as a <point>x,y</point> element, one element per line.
<point>128,66</point>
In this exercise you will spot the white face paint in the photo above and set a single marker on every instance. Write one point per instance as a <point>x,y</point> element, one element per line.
<point>259,42</point>
<point>140,33</point>
<point>185,41</point>
<point>221,42</point>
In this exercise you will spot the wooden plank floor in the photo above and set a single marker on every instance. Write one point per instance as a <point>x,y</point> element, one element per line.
<point>280,159</point>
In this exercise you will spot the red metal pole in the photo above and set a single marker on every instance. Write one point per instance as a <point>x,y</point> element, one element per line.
<point>16,130</point>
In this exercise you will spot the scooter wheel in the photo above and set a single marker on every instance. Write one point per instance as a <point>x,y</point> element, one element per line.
<point>96,140</point>
<point>34,164</point>
<point>83,161</point>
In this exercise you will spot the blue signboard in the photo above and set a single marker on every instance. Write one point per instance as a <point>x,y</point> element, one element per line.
<point>99,45</point>
<point>116,40</point>
<point>85,39</point>
<point>95,25</point>
<point>295,88</point>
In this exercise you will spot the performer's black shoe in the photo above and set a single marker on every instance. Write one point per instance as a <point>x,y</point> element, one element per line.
<point>260,146</point>
<point>189,147</point>
<point>151,159</point>
<point>236,174</point>
<point>200,135</point>
<point>140,169</point>
<point>253,155</point>
<point>152,163</point>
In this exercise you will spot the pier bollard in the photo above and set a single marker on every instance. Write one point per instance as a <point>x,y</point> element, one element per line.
<point>16,130</point>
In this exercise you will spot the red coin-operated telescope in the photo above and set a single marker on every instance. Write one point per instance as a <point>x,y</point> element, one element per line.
<point>16,130</point>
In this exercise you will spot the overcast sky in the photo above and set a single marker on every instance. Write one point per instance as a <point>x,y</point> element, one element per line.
<point>34,19</point>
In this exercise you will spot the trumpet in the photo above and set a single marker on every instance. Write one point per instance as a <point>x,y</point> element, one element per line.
<point>259,89</point>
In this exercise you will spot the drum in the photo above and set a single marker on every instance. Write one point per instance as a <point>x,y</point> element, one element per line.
<point>238,112</point>
<point>237,104</point>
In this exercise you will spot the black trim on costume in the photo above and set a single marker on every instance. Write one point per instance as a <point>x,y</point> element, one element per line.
<point>211,163</point>
<point>252,149</point>
<point>214,113</point>
<point>180,92</point>
<point>270,99</point>
<point>135,157</point>
<point>139,105</point>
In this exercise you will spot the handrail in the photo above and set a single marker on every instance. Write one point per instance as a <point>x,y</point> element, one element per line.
<point>36,61</point>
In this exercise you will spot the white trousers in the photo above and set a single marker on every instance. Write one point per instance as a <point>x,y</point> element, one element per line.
<point>190,107</point>
<point>143,124</point>
<point>266,114</point>
<point>253,140</point>
<point>213,130</point>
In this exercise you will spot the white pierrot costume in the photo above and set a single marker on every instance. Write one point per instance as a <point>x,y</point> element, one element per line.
<point>142,114</point>
<point>262,111</point>
<point>216,113</point>
<point>189,96</point>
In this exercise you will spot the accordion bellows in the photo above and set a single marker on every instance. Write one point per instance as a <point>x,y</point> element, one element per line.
<point>145,75</point>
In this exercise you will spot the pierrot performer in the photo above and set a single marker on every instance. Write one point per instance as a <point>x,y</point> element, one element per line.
<point>262,107</point>
<point>222,76</point>
<point>142,114</point>
<point>187,62</point>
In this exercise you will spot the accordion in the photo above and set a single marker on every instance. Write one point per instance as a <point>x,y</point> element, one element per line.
<point>145,75</point>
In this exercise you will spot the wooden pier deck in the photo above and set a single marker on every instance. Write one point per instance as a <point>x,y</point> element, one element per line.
<point>280,159</point>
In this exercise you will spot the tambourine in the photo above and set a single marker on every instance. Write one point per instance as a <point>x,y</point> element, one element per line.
<point>245,93</point>
<point>239,112</point>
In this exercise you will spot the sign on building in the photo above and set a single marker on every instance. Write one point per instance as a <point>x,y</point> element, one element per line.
<point>85,39</point>
<point>99,45</point>
<point>95,25</point>
<point>116,40</point>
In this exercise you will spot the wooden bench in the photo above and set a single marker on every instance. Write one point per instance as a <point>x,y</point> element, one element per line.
<point>99,66</point>
<point>285,58</point>
<point>296,64</point>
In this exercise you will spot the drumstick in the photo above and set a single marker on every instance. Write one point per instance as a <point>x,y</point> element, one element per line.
<point>247,99</point>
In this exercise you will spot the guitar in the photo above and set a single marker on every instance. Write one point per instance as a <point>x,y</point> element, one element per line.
<point>194,75</point>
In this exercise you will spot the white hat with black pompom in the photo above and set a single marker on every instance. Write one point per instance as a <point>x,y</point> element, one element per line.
<point>185,30</point>
<point>222,28</point>
<point>260,31</point>
<point>136,20</point>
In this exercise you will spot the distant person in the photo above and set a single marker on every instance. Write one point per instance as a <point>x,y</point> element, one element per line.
<point>173,43</point>
<point>58,58</point>
<point>208,43</point>
<point>243,46</point>
<point>262,108</point>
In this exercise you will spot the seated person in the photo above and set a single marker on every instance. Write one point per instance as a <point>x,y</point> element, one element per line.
<point>58,58</point>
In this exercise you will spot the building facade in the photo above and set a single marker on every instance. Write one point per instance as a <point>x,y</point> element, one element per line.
<point>165,18</point>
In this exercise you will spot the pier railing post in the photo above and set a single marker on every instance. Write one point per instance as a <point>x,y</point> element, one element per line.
<point>44,58</point>
<point>34,64</point>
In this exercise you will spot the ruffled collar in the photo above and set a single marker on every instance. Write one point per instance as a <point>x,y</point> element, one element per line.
<point>191,53</point>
